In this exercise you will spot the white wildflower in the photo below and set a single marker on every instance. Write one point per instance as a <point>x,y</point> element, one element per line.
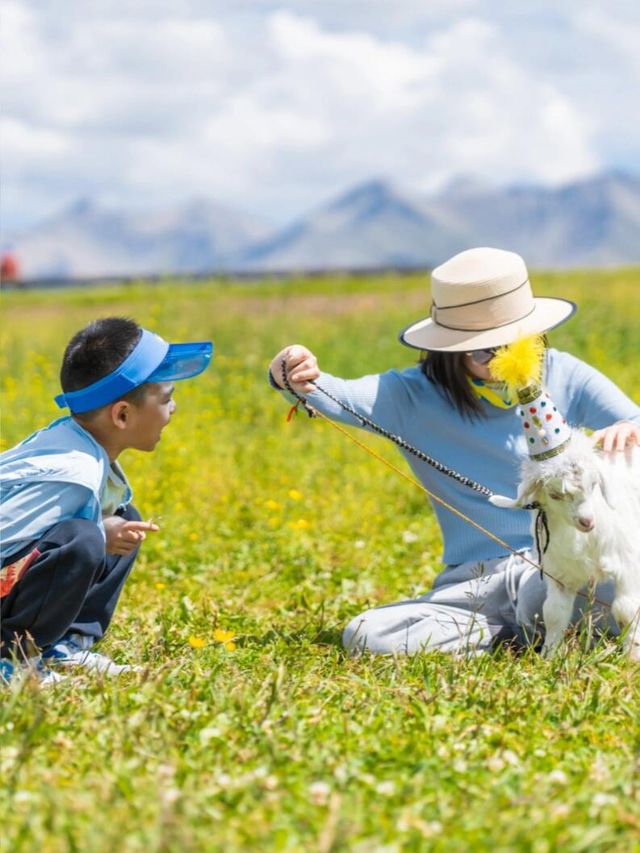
<point>601,799</point>
<point>319,793</point>
<point>558,777</point>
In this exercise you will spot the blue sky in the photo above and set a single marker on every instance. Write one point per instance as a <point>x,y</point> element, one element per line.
<point>275,107</point>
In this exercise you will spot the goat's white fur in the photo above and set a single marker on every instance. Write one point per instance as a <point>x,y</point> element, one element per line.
<point>592,502</point>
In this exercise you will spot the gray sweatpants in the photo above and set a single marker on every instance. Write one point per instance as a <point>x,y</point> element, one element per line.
<point>470,608</point>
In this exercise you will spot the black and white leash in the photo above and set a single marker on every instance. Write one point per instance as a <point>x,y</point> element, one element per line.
<point>396,439</point>
<point>541,527</point>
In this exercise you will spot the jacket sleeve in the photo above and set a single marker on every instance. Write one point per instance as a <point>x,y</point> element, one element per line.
<point>28,511</point>
<point>382,398</point>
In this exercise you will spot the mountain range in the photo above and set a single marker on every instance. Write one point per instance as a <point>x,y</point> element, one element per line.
<point>592,222</point>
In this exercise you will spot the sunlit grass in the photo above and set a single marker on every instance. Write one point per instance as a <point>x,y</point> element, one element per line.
<point>250,729</point>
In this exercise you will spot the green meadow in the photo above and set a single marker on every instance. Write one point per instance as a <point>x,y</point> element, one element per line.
<point>249,728</point>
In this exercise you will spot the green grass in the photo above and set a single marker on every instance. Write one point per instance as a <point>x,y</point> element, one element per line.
<point>280,533</point>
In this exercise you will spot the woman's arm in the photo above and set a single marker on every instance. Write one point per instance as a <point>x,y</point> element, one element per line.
<point>383,398</point>
<point>597,403</point>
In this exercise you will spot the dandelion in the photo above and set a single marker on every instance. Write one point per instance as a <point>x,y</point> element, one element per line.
<point>295,495</point>
<point>169,796</point>
<point>24,797</point>
<point>599,770</point>
<point>511,758</point>
<point>209,734</point>
<point>319,793</point>
<point>408,822</point>
<point>558,777</point>
<point>495,763</point>
<point>226,638</point>
<point>300,524</point>
<point>196,642</point>
<point>601,799</point>
<point>271,504</point>
<point>193,536</point>
<point>161,585</point>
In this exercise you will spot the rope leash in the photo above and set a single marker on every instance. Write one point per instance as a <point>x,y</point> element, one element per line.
<point>541,527</point>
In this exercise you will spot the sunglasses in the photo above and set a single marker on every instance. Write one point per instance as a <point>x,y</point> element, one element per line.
<point>483,356</point>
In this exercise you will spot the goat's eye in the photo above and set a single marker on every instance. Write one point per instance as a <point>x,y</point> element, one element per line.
<point>557,496</point>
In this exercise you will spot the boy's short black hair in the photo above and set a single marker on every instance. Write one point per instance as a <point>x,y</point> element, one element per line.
<point>96,351</point>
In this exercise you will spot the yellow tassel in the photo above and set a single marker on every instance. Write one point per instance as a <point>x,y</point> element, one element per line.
<point>519,365</point>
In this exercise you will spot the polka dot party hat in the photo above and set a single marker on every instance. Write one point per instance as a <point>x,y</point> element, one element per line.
<point>519,366</point>
<point>546,431</point>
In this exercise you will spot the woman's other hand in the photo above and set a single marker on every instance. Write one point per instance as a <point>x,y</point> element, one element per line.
<point>617,436</point>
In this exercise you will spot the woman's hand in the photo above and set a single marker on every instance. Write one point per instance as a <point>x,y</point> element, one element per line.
<point>617,436</point>
<point>124,536</point>
<point>301,368</point>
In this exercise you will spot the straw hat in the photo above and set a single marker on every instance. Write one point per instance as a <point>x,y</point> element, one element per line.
<point>482,298</point>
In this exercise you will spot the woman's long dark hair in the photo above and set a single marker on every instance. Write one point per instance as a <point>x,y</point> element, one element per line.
<point>448,372</point>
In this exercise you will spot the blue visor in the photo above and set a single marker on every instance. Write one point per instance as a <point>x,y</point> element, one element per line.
<point>152,360</point>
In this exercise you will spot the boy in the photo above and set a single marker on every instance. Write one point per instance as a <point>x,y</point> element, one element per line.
<point>69,534</point>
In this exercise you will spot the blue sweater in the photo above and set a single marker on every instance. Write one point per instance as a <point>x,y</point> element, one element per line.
<point>488,450</point>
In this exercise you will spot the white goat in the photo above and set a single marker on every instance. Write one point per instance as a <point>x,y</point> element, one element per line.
<point>592,506</point>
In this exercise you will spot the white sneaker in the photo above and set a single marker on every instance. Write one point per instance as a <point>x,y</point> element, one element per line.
<point>30,668</point>
<point>47,676</point>
<point>75,650</point>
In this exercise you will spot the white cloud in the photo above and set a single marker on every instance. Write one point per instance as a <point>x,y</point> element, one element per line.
<point>21,142</point>
<point>271,109</point>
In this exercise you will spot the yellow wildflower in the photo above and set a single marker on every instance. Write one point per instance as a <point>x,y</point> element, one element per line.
<point>196,642</point>
<point>226,638</point>
<point>160,585</point>
<point>271,504</point>
<point>295,495</point>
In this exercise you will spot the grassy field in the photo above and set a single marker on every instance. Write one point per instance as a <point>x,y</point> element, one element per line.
<point>250,729</point>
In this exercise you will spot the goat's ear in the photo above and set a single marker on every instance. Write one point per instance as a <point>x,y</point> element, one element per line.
<point>503,502</point>
<point>526,494</point>
<point>607,493</point>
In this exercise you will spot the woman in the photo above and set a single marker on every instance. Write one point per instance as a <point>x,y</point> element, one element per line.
<point>449,408</point>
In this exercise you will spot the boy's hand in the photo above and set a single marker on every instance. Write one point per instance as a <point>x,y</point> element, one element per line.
<point>124,536</point>
<point>301,366</point>
<point>617,436</point>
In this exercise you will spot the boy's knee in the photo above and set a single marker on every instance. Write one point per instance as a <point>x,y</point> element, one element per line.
<point>81,540</point>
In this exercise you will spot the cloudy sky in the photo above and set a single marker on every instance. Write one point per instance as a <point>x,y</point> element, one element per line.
<point>274,107</point>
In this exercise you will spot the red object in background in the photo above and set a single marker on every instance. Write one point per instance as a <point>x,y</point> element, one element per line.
<point>9,267</point>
